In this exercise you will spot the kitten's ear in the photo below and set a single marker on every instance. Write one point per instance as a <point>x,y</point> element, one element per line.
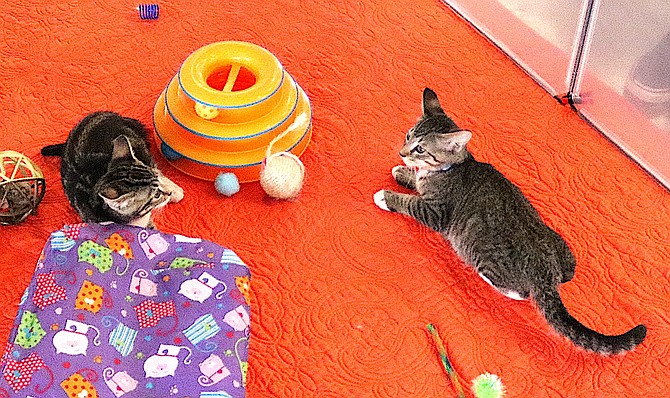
<point>456,141</point>
<point>431,105</point>
<point>122,148</point>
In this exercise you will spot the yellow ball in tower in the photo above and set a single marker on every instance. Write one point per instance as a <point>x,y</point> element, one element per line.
<point>205,111</point>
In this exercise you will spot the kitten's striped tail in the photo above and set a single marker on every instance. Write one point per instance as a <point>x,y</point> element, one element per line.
<point>53,150</point>
<point>549,302</point>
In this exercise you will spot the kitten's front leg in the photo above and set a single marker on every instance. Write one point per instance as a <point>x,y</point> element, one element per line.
<point>409,205</point>
<point>404,176</point>
<point>176,192</point>
<point>394,201</point>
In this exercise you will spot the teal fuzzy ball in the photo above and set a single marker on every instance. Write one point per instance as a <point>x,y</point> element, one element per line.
<point>227,184</point>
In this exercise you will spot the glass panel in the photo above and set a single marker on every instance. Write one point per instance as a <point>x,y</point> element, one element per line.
<point>626,83</point>
<point>538,35</point>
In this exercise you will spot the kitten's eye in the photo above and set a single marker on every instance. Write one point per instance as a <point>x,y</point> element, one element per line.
<point>158,194</point>
<point>418,149</point>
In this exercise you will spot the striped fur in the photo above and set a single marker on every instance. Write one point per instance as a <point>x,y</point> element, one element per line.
<point>108,173</point>
<point>490,224</point>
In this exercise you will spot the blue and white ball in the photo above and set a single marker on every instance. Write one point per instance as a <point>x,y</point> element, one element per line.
<point>227,184</point>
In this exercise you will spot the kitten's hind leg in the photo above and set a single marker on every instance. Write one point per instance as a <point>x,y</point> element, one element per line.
<point>514,295</point>
<point>404,176</point>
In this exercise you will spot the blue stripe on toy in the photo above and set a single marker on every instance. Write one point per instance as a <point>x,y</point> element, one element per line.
<point>202,329</point>
<point>229,257</point>
<point>60,242</point>
<point>215,394</point>
<point>123,338</point>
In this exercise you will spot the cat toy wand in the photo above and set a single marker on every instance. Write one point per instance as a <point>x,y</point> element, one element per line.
<point>445,360</point>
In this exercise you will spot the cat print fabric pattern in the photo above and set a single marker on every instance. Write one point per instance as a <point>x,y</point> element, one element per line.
<point>115,310</point>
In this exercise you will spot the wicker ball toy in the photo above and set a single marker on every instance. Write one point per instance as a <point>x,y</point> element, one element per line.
<point>22,187</point>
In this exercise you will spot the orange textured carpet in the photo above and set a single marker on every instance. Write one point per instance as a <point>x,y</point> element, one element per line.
<point>342,291</point>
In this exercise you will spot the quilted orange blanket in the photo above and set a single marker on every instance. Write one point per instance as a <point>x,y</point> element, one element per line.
<point>342,291</point>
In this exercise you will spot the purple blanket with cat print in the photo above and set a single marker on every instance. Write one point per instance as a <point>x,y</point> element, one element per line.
<point>115,310</point>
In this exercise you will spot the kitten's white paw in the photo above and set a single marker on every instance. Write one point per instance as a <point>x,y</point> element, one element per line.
<point>177,194</point>
<point>380,201</point>
<point>395,170</point>
<point>167,185</point>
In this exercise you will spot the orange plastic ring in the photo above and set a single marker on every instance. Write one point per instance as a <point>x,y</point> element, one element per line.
<point>210,59</point>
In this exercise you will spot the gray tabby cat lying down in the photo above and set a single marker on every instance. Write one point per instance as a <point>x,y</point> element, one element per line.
<point>490,224</point>
<point>108,173</point>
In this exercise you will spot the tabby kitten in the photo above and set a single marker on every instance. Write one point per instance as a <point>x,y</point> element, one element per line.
<point>489,223</point>
<point>108,173</point>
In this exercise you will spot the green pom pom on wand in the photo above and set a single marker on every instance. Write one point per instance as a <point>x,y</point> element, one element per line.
<point>483,386</point>
<point>488,386</point>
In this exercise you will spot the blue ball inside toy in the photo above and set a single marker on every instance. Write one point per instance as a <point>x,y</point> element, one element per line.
<point>169,153</point>
<point>227,184</point>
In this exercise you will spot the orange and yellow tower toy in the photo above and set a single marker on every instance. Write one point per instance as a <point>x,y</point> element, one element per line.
<point>227,103</point>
